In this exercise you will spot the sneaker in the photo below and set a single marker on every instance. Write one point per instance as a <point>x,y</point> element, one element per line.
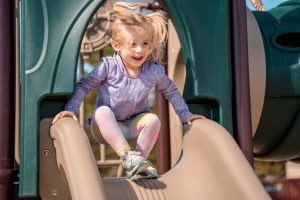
<point>148,173</point>
<point>134,163</point>
<point>151,172</point>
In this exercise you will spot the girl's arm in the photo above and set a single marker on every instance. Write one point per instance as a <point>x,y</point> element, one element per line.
<point>92,80</point>
<point>166,86</point>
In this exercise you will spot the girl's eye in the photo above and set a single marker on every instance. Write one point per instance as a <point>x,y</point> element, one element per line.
<point>133,44</point>
<point>146,43</point>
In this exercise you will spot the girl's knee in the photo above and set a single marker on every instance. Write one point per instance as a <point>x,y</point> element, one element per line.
<point>103,110</point>
<point>103,113</point>
<point>152,119</point>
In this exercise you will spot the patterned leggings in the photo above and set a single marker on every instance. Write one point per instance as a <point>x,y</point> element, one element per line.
<point>106,130</point>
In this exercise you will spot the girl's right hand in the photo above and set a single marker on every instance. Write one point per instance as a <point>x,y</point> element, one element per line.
<point>64,114</point>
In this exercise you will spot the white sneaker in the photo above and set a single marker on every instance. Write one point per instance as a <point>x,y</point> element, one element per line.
<point>148,173</point>
<point>134,163</point>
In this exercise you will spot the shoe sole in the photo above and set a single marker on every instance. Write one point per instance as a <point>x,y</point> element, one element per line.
<point>137,169</point>
<point>139,176</point>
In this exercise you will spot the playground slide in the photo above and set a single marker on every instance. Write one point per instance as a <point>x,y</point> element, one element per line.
<point>211,167</point>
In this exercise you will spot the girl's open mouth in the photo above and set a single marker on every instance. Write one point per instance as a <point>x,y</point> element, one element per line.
<point>138,58</point>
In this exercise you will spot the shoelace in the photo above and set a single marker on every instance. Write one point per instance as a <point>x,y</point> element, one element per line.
<point>130,153</point>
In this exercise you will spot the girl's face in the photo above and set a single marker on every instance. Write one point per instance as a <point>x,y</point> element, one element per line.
<point>135,46</point>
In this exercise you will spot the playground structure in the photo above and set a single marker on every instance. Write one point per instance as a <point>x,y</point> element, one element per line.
<point>218,84</point>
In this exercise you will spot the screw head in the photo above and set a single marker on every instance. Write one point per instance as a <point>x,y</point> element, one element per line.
<point>54,192</point>
<point>46,153</point>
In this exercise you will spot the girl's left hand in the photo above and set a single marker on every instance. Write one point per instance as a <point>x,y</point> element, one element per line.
<point>193,117</point>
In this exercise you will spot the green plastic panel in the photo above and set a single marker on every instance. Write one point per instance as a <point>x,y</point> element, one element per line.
<point>277,132</point>
<point>203,30</point>
<point>51,33</point>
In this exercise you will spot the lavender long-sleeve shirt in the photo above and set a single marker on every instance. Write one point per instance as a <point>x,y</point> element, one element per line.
<point>127,96</point>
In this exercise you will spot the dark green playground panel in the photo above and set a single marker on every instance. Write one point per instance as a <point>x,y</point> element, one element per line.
<point>51,33</point>
<point>278,134</point>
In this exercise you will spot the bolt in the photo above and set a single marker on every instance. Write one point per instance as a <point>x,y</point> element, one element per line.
<point>54,192</point>
<point>46,153</point>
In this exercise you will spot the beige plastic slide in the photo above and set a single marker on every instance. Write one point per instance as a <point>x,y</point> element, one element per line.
<point>211,167</point>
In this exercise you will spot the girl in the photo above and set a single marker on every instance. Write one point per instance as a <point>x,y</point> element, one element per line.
<point>123,83</point>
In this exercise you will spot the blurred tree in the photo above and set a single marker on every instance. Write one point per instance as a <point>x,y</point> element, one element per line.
<point>265,169</point>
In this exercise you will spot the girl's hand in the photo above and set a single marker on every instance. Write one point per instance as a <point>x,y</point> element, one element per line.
<point>193,117</point>
<point>258,5</point>
<point>64,114</point>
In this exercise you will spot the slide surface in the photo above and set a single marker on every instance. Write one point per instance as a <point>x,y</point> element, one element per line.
<point>211,167</point>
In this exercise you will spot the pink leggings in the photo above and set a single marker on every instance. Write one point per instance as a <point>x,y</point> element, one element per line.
<point>106,130</point>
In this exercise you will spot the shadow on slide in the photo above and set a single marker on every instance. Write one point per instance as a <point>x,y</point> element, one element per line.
<point>211,167</point>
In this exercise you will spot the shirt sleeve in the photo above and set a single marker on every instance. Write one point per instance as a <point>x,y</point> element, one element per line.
<point>91,81</point>
<point>166,86</point>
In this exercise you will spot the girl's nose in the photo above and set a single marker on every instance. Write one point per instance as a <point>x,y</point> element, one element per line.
<point>139,48</point>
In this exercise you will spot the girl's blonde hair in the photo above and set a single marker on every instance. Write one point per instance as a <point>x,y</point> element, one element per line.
<point>128,14</point>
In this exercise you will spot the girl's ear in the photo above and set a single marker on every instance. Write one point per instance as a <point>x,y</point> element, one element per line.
<point>115,45</point>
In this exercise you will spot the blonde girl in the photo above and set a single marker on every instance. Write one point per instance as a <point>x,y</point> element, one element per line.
<point>123,82</point>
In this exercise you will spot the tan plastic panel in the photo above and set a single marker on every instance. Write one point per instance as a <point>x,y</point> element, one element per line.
<point>17,84</point>
<point>257,69</point>
<point>211,167</point>
<point>177,73</point>
<point>76,161</point>
<point>51,184</point>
